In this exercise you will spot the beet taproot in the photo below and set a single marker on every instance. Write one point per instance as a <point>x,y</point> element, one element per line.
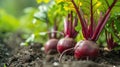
<point>51,46</point>
<point>86,48</point>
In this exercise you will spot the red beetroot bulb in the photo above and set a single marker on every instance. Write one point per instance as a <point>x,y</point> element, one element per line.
<point>64,44</point>
<point>51,46</point>
<point>86,48</point>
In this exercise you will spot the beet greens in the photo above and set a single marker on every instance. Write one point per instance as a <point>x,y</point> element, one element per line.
<point>112,32</point>
<point>93,31</point>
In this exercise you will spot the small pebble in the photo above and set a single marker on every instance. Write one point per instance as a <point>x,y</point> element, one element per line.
<point>42,49</point>
<point>7,54</point>
<point>55,64</point>
<point>114,66</point>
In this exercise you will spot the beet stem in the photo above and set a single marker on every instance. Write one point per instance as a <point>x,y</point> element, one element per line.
<point>66,26</point>
<point>107,3</point>
<point>74,32</point>
<point>55,29</point>
<point>103,22</point>
<point>82,21</point>
<point>92,20</point>
<point>49,35</point>
<point>70,24</point>
<point>61,33</point>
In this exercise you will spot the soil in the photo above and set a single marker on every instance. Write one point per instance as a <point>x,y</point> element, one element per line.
<point>34,56</point>
<point>4,54</point>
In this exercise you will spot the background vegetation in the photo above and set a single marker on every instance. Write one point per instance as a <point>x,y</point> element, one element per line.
<point>32,18</point>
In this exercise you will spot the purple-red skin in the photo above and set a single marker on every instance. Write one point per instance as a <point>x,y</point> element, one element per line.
<point>64,44</point>
<point>51,46</point>
<point>86,48</point>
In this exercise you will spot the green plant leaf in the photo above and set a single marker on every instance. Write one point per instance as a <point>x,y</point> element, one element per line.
<point>45,1</point>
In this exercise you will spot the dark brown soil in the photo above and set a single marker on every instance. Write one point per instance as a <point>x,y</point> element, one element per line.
<point>4,54</point>
<point>33,56</point>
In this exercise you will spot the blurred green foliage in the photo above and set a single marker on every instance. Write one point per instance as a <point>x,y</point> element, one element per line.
<point>8,22</point>
<point>15,7</point>
<point>17,17</point>
<point>34,20</point>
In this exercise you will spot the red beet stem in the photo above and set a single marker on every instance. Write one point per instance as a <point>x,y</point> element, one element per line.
<point>66,26</point>
<point>55,28</point>
<point>74,32</point>
<point>61,33</point>
<point>109,38</point>
<point>82,20</point>
<point>110,43</point>
<point>103,22</point>
<point>69,26</point>
<point>91,19</point>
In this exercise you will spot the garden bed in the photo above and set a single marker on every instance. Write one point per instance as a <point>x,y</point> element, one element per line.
<point>33,56</point>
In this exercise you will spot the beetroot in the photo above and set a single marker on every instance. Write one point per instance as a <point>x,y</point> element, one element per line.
<point>85,49</point>
<point>50,46</point>
<point>90,29</point>
<point>69,32</point>
<point>65,43</point>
